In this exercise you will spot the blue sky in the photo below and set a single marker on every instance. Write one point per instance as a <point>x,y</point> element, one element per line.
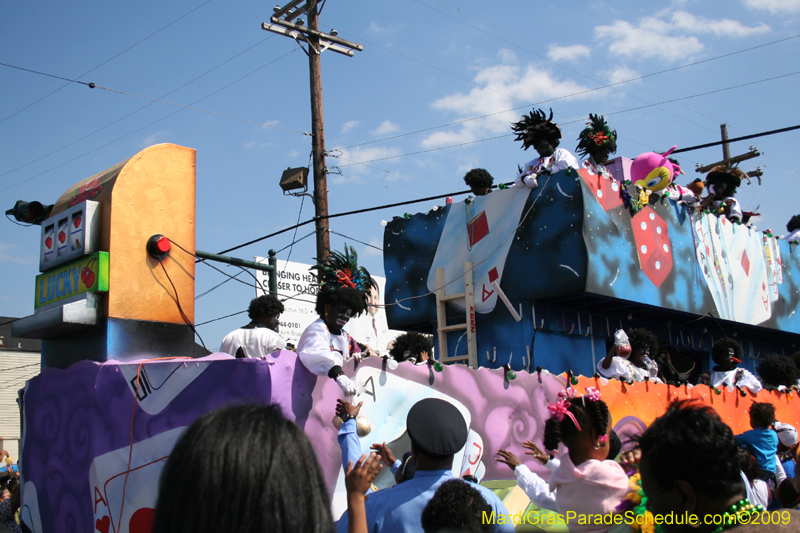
<point>405,107</point>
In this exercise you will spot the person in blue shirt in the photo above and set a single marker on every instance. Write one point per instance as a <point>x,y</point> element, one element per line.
<point>437,431</point>
<point>787,446</point>
<point>762,438</point>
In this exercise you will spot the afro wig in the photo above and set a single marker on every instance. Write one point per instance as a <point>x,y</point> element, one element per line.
<point>410,345</point>
<point>777,370</point>
<point>643,339</point>
<point>719,353</point>
<point>264,306</point>
<point>478,178</point>
<point>794,223</point>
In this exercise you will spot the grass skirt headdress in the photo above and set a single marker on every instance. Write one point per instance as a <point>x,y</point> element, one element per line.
<point>596,134</point>
<point>536,126</point>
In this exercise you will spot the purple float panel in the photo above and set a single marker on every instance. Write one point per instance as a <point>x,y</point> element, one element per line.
<point>91,434</point>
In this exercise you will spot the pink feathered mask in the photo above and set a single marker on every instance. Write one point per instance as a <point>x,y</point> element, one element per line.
<point>654,171</point>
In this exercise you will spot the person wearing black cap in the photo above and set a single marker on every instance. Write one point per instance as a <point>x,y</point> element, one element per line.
<point>437,431</point>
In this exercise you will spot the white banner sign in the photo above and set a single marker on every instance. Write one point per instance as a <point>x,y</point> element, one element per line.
<point>298,292</point>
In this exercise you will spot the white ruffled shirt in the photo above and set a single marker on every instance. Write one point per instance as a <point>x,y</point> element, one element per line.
<point>728,379</point>
<point>560,160</point>
<point>623,369</point>
<point>319,350</point>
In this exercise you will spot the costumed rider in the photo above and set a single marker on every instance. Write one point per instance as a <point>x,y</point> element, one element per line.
<point>721,184</point>
<point>437,431</point>
<point>793,227</point>
<point>536,130</point>
<point>413,347</point>
<point>727,353</point>
<point>260,337</point>
<point>324,346</point>
<point>479,181</point>
<point>597,141</point>
<point>629,358</point>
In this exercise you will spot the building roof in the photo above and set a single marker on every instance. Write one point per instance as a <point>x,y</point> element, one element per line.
<point>17,344</point>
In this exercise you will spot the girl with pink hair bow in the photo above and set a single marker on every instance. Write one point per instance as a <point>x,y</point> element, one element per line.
<point>585,482</point>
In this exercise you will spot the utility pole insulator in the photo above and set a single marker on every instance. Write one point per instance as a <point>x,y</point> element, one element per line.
<point>281,23</point>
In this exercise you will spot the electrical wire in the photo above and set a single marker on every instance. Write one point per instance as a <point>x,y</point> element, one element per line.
<point>214,287</point>
<point>356,240</point>
<point>143,127</point>
<point>137,43</point>
<point>580,120</point>
<point>136,110</point>
<point>644,76</point>
<point>180,309</point>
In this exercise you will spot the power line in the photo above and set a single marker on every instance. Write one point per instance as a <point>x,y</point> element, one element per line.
<point>107,60</point>
<point>742,138</point>
<point>580,120</point>
<point>526,38</point>
<point>347,213</point>
<point>146,125</point>
<point>644,76</point>
<point>356,240</point>
<point>136,110</point>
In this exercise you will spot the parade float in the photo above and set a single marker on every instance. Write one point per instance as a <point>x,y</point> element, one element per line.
<point>522,288</point>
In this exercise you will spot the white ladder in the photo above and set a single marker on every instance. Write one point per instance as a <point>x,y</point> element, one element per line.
<point>469,325</point>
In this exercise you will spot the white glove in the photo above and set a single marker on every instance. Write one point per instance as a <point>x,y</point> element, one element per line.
<point>531,182</point>
<point>347,385</point>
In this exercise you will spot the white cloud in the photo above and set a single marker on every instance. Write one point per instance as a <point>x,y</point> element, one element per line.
<point>7,255</point>
<point>775,6</point>
<point>647,40</point>
<point>386,127</point>
<point>503,88</point>
<point>507,56</point>
<point>369,250</point>
<point>622,73</point>
<point>293,153</point>
<point>250,144</point>
<point>154,138</point>
<point>374,27</point>
<point>721,28</point>
<point>669,39</point>
<point>576,51</point>
<point>362,154</point>
<point>349,125</point>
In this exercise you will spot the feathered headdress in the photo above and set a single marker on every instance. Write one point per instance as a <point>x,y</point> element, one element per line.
<point>342,270</point>
<point>596,134</point>
<point>535,126</point>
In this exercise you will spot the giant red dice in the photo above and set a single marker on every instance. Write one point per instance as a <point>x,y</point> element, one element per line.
<point>606,190</point>
<point>651,238</point>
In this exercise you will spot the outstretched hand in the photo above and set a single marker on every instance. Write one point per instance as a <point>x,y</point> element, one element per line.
<point>508,458</point>
<point>358,478</point>
<point>631,458</point>
<point>385,453</point>
<point>535,451</point>
<point>343,407</point>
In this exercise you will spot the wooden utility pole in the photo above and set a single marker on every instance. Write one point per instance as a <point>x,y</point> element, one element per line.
<point>728,160</point>
<point>281,23</point>
<point>318,135</point>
